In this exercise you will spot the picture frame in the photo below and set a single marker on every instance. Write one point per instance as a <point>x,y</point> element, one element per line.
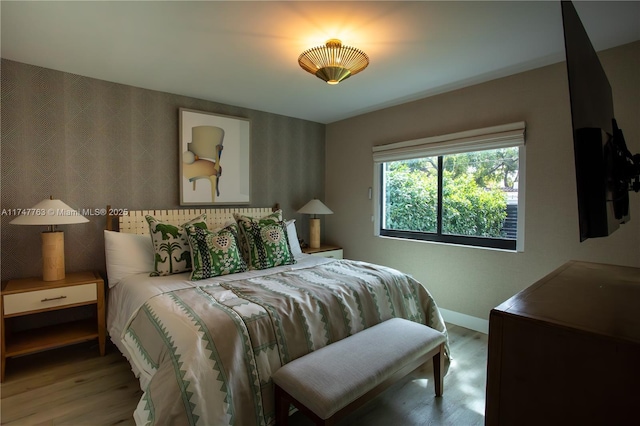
<point>214,159</point>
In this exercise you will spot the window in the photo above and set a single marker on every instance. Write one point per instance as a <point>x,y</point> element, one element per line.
<point>466,188</point>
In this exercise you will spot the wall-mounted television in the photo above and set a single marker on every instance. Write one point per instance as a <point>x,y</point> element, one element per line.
<point>605,169</point>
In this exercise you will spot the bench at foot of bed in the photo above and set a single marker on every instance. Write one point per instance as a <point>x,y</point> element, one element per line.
<point>333,381</point>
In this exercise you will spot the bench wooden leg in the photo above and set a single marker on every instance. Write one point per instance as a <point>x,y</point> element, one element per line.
<point>438,370</point>
<point>282,406</point>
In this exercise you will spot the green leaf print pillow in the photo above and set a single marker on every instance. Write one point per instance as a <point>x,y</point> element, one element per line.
<point>264,241</point>
<point>215,253</point>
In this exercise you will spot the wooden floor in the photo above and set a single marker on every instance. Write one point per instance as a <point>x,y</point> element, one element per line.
<point>74,386</point>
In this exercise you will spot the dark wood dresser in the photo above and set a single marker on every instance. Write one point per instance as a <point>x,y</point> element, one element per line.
<point>566,351</point>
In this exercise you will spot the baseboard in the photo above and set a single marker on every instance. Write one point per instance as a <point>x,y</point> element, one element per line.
<point>466,321</point>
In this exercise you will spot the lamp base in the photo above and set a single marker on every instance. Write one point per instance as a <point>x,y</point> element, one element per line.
<point>314,233</point>
<point>53,256</point>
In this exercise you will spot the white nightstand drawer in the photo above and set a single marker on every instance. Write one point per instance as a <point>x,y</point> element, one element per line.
<point>49,298</point>
<point>335,254</point>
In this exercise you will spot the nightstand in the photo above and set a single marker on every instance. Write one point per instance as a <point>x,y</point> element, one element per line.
<point>325,251</point>
<point>29,299</point>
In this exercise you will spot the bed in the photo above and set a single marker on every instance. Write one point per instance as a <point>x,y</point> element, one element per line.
<point>204,349</point>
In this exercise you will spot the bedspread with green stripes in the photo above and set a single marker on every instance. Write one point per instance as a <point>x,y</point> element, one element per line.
<point>213,349</point>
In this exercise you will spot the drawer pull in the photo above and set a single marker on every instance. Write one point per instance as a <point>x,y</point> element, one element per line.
<point>49,299</point>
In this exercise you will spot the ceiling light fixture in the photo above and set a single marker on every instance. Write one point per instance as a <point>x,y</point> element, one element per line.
<point>333,62</point>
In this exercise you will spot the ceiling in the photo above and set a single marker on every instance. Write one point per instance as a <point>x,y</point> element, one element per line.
<point>245,53</point>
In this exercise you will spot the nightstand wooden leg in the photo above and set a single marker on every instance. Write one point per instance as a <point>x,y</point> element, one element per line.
<point>102,330</point>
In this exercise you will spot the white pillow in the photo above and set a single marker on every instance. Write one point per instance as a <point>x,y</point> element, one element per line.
<point>127,254</point>
<point>293,238</point>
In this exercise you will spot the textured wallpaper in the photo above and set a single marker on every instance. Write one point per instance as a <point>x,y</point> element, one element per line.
<point>91,143</point>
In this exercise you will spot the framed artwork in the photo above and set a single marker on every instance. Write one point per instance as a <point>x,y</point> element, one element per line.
<point>214,158</point>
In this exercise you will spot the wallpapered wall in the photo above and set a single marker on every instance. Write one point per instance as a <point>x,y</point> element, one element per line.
<point>91,143</point>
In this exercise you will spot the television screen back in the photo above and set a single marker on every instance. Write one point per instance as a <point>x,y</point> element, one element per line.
<point>600,205</point>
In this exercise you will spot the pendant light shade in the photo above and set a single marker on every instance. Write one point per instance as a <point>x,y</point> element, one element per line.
<point>333,62</point>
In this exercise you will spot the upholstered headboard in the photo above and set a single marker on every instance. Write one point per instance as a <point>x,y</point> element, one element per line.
<point>134,222</point>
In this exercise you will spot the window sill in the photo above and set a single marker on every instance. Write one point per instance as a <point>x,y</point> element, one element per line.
<point>441,243</point>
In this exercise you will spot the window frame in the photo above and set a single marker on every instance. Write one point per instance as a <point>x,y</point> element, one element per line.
<point>504,136</point>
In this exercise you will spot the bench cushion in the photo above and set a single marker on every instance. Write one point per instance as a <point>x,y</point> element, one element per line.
<point>332,377</point>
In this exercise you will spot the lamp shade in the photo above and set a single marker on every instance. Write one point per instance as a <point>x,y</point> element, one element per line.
<point>315,206</point>
<point>49,212</point>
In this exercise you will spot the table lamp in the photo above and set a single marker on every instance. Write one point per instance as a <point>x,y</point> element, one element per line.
<point>314,208</point>
<point>51,213</point>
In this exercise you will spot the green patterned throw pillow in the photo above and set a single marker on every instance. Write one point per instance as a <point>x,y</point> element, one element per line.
<point>215,253</point>
<point>171,245</point>
<point>264,241</point>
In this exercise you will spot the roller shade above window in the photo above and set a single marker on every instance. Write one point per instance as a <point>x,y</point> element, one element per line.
<point>504,136</point>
